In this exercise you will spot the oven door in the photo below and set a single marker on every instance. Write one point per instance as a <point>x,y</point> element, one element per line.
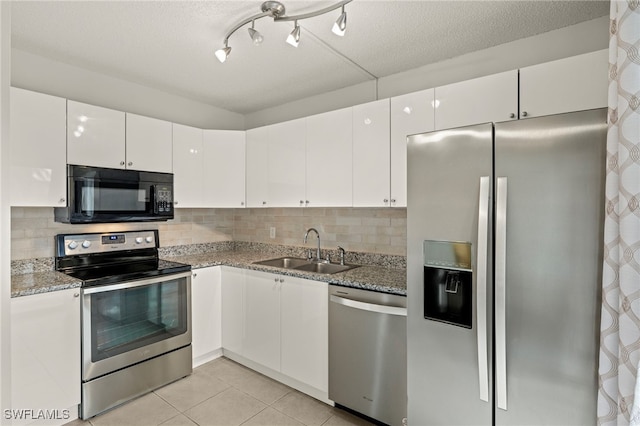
<point>126,323</point>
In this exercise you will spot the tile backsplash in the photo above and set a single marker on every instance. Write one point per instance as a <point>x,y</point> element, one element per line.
<point>375,230</point>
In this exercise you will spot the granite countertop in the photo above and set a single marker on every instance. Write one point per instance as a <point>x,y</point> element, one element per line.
<point>33,280</point>
<point>41,282</point>
<point>375,278</point>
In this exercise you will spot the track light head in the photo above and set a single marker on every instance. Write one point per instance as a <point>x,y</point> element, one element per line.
<point>223,53</point>
<point>255,35</point>
<point>294,38</point>
<point>340,26</point>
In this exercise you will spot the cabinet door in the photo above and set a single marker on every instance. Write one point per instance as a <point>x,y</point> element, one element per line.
<point>410,114</point>
<point>95,136</point>
<point>304,325</point>
<point>286,164</point>
<point>224,165</point>
<point>45,351</point>
<point>571,84</point>
<point>330,159</point>
<point>233,280</point>
<point>38,143</point>
<point>481,100</point>
<point>206,315</point>
<point>257,167</point>
<point>187,166</point>
<point>262,319</point>
<point>149,144</point>
<point>371,154</point>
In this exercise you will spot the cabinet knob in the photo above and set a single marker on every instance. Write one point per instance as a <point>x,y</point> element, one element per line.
<point>275,279</point>
<point>306,202</point>
<point>281,280</point>
<point>386,200</point>
<point>242,203</point>
<point>525,113</point>
<point>393,201</point>
<point>175,203</point>
<point>130,163</point>
<point>264,203</point>
<point>512,115</point>
<point>195,275</point>
<point>122,163</point>
<point>62,201</point>
<point>76,294</point>
<point>301,202</point>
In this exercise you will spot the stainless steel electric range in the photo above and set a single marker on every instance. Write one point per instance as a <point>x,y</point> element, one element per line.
<point>136,315</point>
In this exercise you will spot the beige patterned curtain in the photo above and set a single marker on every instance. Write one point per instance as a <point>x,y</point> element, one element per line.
<point>620,323</point>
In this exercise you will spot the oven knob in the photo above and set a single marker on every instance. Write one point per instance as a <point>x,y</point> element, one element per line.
<point>149,239</point>
<point>72,245</point>
<point>138,240</point>
<point>86,244</point>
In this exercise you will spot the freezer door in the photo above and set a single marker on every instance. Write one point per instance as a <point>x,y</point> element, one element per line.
<point>549,227</point>
<point>448,376</point>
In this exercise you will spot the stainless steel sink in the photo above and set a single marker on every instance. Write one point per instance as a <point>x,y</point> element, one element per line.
<point>305,265</point>
<point>284,262</point>
<point>325,268</point>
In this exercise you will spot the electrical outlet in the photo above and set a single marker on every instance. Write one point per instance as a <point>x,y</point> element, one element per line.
<point>272,232</point>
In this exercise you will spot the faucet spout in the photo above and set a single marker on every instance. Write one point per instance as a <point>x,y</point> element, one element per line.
<point>306,234</point>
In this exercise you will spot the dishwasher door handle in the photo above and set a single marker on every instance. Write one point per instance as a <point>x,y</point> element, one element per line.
<point>370,307</point>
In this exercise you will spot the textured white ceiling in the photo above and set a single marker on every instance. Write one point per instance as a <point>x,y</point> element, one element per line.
<point>169,45</point>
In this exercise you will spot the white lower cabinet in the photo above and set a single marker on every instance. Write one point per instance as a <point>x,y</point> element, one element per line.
<point>278,325</point>
<point>304,331</point>
<point>45,355</point>
<point>206,315</point>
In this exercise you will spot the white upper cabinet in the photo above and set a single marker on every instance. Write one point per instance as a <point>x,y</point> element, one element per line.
<point>570,84</point>
<point>329,178</point>
<point>257,186</point>
<point>95,136</point>
<point>224,168</point>
<point>148,144</point>
<point>187,166</point>
<point>38,143</point>
<point>410,114</point>
<point>371,154</point>
<point>286,164</point>
<point>481,100</point>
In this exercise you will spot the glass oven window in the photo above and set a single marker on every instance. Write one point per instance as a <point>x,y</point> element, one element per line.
<point>128,319</point>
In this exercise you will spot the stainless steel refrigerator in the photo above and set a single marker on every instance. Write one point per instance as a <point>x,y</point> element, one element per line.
<point>504,259</point>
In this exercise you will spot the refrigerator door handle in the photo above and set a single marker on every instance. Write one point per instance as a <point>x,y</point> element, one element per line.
<point>481,292</point>
<point>500,280</point>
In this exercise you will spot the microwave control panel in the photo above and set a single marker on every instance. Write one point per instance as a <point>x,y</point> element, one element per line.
<point>163,200</point>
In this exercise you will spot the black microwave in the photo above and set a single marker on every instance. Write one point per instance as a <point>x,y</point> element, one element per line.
<point>100,195</point>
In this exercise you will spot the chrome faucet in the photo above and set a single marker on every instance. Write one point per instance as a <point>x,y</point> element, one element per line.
<point>341,250</point>
<point>318,234</point>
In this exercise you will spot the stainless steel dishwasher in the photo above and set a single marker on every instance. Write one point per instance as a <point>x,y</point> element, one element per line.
<point>368,353</point>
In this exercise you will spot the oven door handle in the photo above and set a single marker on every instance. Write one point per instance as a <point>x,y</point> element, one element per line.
<point>135,283</point>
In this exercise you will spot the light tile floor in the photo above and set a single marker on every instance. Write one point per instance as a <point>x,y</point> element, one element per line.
<point>223,392</point>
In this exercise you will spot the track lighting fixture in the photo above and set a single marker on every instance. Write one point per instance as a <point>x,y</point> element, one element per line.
<point>223,53</point>
<point>276,10</point>
<point>255,35</point>
<point>294,38</point>
<point>340,25</point>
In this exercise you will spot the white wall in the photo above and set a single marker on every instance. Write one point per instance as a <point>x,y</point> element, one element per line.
<point>585,37</point>
<point>46,75</point>
<point>5,213</point>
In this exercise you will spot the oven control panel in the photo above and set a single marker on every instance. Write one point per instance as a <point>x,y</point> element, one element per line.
<point>71,245</point>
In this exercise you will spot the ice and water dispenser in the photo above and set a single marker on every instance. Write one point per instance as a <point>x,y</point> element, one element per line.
<point>448,282</point>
